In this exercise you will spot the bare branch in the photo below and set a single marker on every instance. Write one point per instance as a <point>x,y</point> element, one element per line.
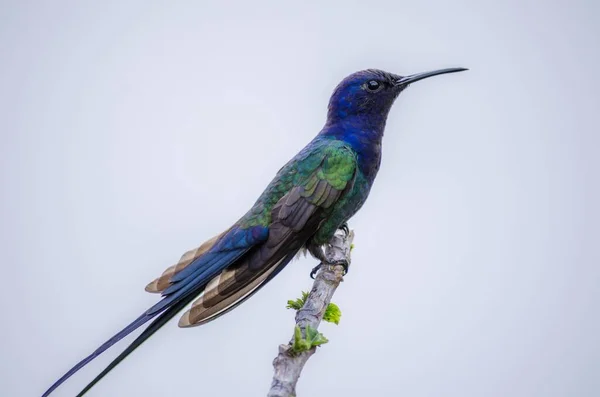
<point>288,364</point>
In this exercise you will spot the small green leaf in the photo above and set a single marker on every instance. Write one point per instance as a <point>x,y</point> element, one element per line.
<point>332,314</point>
<point>313,338</point>
<point>300,344</point>
<point>298,303</point>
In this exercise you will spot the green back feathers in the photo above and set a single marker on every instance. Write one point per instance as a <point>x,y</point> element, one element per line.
<point>326,160</point>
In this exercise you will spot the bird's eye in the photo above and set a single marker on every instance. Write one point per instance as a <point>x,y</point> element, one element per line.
<point>374,86</point>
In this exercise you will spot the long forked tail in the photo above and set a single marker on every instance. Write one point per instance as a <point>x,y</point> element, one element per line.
<point>148,332</point>
<point>184,285</point>
<point>171,312</point>
<point>141,320</point>
<point>200,271</point>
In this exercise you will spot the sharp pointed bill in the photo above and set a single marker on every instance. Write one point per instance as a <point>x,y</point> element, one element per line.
<point>420,76</point>
<point>311,196</point>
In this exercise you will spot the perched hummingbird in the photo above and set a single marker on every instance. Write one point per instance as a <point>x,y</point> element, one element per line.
<point>312,196</point>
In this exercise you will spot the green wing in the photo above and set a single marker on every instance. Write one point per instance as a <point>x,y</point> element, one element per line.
<point>320,174</point>
<point>293,208</point>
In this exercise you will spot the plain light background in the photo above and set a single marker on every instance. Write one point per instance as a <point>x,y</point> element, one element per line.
<point>132,131</point>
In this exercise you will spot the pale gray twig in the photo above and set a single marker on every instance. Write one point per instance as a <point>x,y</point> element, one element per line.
<point>288,364</point>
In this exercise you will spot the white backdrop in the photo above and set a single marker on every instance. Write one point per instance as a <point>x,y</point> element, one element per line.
<point>132,131</point>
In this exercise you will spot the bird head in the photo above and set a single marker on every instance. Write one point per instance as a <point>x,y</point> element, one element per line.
<point>369,94</point>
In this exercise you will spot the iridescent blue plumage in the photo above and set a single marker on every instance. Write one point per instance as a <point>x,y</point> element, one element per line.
<point>316,192</point>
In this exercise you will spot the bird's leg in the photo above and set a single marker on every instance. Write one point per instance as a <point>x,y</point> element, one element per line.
<point>342,263</point>
<point>314,270</point>
<point>318,252</point>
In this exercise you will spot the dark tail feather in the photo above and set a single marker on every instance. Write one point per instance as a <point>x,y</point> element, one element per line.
<point>168,315</point>
<point>149,314</point>
<point>141,320</point>
<point>148,332</point>
<point>169,305</point>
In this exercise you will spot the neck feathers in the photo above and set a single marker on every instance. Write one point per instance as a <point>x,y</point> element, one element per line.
<point>364,138</point>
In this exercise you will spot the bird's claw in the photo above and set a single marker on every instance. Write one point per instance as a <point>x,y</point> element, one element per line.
<point>314,270</point>
<point>319,253</point>
<point>344,227</point>
<point>341,263</point>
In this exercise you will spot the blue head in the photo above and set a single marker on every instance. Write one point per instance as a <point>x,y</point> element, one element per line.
<point>359,107</point>
<point>366,97</point>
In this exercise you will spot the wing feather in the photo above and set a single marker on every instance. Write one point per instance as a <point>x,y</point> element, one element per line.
<point>162,282</point>
<point>294,219</point>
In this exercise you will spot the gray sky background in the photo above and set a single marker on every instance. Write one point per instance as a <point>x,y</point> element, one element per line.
<point>132,131</point>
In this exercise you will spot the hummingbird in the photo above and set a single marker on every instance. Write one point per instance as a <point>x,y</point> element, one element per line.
<point>311,196</point>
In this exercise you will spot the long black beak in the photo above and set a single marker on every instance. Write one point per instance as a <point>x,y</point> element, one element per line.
<point>420,76</point>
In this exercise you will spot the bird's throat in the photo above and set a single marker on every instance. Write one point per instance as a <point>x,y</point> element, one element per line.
<point>364,138</point>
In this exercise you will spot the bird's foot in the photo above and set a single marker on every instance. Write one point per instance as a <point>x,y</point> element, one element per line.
<point>319,253</point>
<point>341,263</point>
<point>344,227</point>
<point>314,270</point>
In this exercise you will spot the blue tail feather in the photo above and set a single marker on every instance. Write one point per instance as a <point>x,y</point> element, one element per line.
<point>235,241</point>
<point>148,332</point>
<point>199,273</point>
<point>205,267</point>
<point>141,320</point>
<point>200,277</point>
<point>117,337</point>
